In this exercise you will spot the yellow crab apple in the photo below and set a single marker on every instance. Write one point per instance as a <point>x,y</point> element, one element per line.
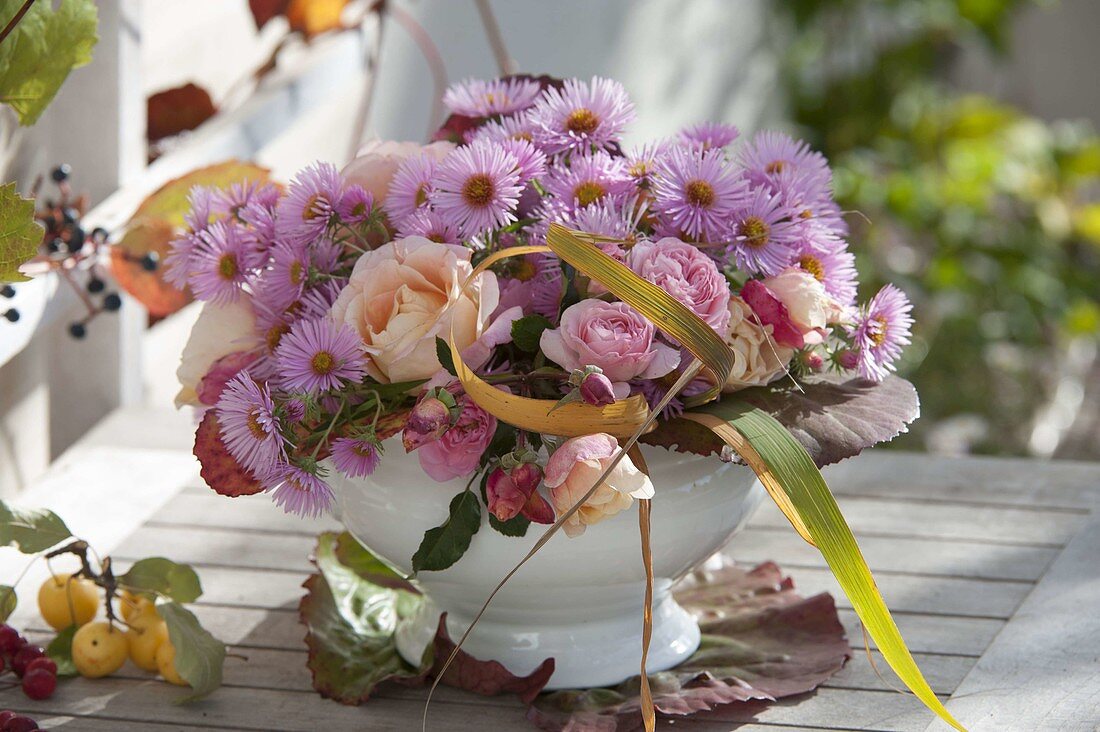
<point>166,664</point>
<point>146,634</point>
<point>64,600</point>
<point>99,649</point>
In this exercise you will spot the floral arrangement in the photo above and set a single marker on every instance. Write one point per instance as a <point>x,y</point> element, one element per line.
<point>327,302</point>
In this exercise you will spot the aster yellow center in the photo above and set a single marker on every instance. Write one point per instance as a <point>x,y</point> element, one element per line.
<point>588,192</point>
<point>295,272</point>
<point>806,214</point>
<point>421,194</point>
<point>812,264</point>
<point>522,136</point>
<point>436,237</point>
<point>227,267</point>
<point>754,230</point>
<point>582,121</point>
<point>639,169</point>
<point>274,335</point>
<point>524,270</point>
<point>478,190</point>
<point>878,335</point>
<point>322,363</point>
<point>699,193</point>
<point>312,210</point>
<point>254,425</point>
<point>775,167</point>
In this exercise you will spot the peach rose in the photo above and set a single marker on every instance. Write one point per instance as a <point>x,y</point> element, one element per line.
<point>758,359</point>
<point>405,294</point>
<point>810,308</point>
<point>377,162</point>
<point>573,469</point>
<point>221,330</point>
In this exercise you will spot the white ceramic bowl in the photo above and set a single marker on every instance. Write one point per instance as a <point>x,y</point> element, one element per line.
<point>577,600</point>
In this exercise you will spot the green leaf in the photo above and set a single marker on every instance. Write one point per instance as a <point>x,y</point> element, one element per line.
<point>19,234</point>
<point>8,601</point>
<point>352,609</point>
<point>527,331</point>
<point>43,48</point>
<point>515,526</point>
<point>443,353</point>
<point>814,504</point>
<point>31,530</point>
<point>60,650</point>
<point>199,655</point>
<point>444,545</point>
<point>158,575</point>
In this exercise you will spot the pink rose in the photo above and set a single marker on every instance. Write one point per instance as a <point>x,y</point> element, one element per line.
<point>457,453</point>
<point>685,272</point>
<point>612,336</point>
<point>377,162</point>
<point>219,332</point>
<point>573,470</point>
<point>810,308</point>
<point>405,294</point>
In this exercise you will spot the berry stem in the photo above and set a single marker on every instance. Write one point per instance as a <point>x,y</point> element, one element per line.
<point>15,20</point>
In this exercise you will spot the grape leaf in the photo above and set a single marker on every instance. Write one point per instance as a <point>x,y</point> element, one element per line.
<point>177,110</point>
<point>8,601</point>
<point>199,655</point>
<point>832,419</point>
<point>444,545</point>
<point>43,48</point>
<point>527,331</point>
<point>31,530</point>
<point>165,577</point>
<point>60,651</point>
<point>19,234</point>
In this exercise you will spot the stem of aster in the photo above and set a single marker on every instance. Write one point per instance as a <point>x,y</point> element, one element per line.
<point>328,430</point>
<point>505,62</point>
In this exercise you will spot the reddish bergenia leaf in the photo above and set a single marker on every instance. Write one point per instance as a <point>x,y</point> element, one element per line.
<point>220,372</point>
<point>771,311</point>
<point>177,110</point>
<point>220,471</point>
<point>148,236</point>
<point>263,11</point>
<point>487,678</point>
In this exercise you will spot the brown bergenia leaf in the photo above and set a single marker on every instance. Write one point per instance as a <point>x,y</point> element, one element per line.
<point>487,678</point>
<point>220,471</point>
<point>177,110</point>
<point>150,236</point>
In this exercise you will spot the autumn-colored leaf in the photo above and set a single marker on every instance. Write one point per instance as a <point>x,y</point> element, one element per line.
<point>220,471</point>
<point>263,11</point>
<point>150,236</point>
<point>487,678</point>
<point>177,110</point>
<point>169,202</point>
<point>19,234</point>
<point>313,17</point>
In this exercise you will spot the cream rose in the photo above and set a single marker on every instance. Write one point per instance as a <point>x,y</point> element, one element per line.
<point>572,471</point>
<point>377,162</point>
<point>405,294</point>
<point>757,359</point>
<point>809,306</point>
<point>219,331</point>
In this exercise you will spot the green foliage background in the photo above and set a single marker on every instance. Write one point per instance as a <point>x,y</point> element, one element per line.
<point>988,217</point>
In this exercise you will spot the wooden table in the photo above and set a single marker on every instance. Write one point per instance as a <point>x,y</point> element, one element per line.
<point>992,568</point>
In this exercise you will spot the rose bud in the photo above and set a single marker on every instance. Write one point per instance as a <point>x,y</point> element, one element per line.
<point>514,490</point>
<point>596,389</point>
<point>505,499</point>
<point>847,359</point>
<point>429,419</point>
<point>813,361</point>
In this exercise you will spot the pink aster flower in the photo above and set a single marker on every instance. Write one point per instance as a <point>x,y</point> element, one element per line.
<point>616,218</point>
<point>581,116</point>
<point>177,264</point>
<point>201,207</point>
<point>477,188</point>
<point>355,205</point>
<point>827,258</point>
<point>709,134</point>
<point>513,127</point>
<point>588,178</point>
<point>431,226</point>
<point>221,263</point>
<point>488,98</point>
<point>249,426</point>
<point>695,191</point>
<point>882,327</point>
<point>301,492</point>
<point>641,163</point>
<point>232,200</point>
<point>531,162</point>
<point>261,222</point>
<point>282,284</point>
<point>410,187</point>
<point>547,287</point>
<point>310,201</point>
<point>762,233</point>
<point>771,153</point>
<point>317,354</point>
<point>355,457</point>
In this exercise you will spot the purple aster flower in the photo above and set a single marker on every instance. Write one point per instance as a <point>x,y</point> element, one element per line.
<point>200,204</point>
<point>410,187</point>
<point>695,191</point>
<point>232,200</point>
<point>299,491</point>
<point>642,163</point>
<point>762,233</point>
<point>317,354</point>
<point>615,218</point>
<point>222,262</point>
<point>355,457</point>
<point>587,179</point>
<point>827,258</point>
<point>177,264</point>
<point>261,222</point>
<point>547,287</point>
<point>881,329</point>
<point>514,127</point>
<point>581,116</point>
<point>310,201</point>
<point>355,205</point>
<point>481,98</point>
<point>531,161</point>
<point>249,426</point>
<point>771,153</point>
<point>430,225</point>
<point>317,300</point>
<point>282,284</point>
<point>477,188</point>
<point>709,134</point>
